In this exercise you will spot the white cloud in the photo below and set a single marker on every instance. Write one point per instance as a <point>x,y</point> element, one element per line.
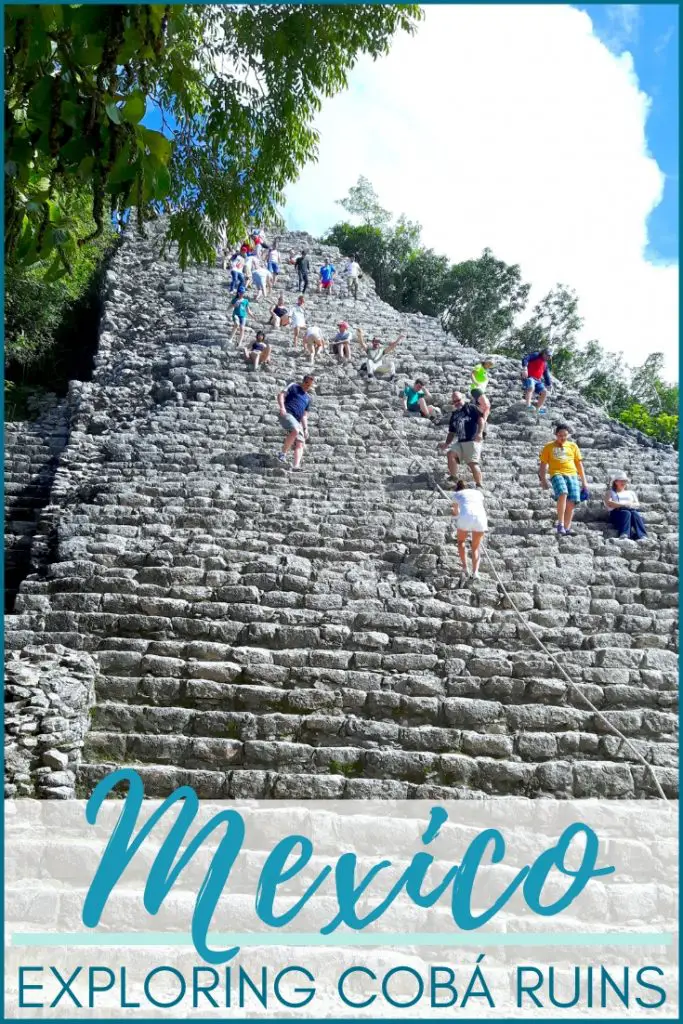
<point>511,127</point>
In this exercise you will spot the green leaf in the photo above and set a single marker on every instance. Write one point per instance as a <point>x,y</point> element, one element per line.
<point>157,143</point>
<point>71,113</point>
<point>134,107</point>
<point>56,270</point>
<point>114,112</point>
<point>123,169</point>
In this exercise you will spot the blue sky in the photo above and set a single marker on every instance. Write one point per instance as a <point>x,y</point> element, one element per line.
<point>650,33</point>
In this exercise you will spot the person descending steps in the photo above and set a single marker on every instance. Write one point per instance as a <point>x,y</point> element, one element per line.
<point>483,404</point>
<point>480,374</point>
<point>472,522</point>
<point>313,343</point>
<point>352,273</point>
<point>536,379</point>
<point>293,404</point>
<point>465,437</point>
<point>240,314</point>
<point>327,272</point>
<point>259,352</point>
<point>298,319</point>
<point>562,459</point>
<point>415,399</point>
<point>378,356</point>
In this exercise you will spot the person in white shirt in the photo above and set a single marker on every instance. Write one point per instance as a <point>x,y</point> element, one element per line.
<point>313,342</point>
<point>262,279</point>
<point>251,264</point>
<point>298,319</point>
<point>274,262</point>
<point>468,506</point>
<point>352,273</point>
<point>623,506</point>
<point>236,272</point>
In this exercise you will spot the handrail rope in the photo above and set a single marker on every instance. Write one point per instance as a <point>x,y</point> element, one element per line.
<point>525,624</point>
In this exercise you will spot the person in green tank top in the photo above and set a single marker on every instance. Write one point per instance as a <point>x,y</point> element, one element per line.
<point>480,373</point>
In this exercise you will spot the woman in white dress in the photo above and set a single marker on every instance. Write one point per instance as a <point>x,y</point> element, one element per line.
<point>468,506</point>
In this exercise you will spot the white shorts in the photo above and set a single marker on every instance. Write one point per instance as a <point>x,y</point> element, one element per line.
<point>476,524</point>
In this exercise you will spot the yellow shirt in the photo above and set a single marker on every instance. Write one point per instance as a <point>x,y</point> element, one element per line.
<point>561,459</point>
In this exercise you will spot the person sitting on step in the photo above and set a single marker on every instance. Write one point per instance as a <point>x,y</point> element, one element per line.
<point>562,459</point>
<point>536,379</point>
<point>279,314</point>
<point>465,437</point>
<point>341,343</point>
<point>293,403</point>
<point>378,356</point>
<point>313,342</point>
<point>623,506</point>
<point>258,353</point>
<point>468,506</point>
<point>415,398</point>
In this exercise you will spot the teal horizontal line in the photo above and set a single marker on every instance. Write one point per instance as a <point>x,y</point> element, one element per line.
<point>347,939</point>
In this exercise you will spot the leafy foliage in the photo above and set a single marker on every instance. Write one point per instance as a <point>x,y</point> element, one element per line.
<point>236,87</point>
<point>479,300</point>
<point>482,299</point>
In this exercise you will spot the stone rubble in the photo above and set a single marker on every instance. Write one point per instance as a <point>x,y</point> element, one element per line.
<point>259,633</point>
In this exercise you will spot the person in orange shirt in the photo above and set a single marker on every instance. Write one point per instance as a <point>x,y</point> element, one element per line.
<point>562,459</point>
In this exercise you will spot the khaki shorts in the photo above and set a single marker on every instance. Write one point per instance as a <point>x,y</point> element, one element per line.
<point>467,451</point>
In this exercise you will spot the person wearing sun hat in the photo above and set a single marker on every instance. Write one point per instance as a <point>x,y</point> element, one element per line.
<point>623,506</point>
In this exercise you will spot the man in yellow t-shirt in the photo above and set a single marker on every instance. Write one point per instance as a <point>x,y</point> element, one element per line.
<point>562,459</point>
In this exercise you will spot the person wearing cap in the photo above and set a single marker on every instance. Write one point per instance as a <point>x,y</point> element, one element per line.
<point>378,356</point>
<point>313,342</point>
<point>465,437</point>
<point>258,353</point>
<point>468,506</point>
<point>562,459</point>
<point>293,403</point>
<point>480,373</point>
<point>623,506</point>
<point>262,280</point>
<point>415,398</point>
<point>536,378</point>
<point>298,319</point>
<point>341,343</point>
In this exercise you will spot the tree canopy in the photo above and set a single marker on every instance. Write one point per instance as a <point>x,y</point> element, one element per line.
<point>480,302</point>
<point>235,88</point>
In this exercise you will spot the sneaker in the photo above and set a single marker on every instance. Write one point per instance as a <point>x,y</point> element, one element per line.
<point>569,532</point>
<point>282,457</point>
<point>543,411</point>
<point>559,529</point>
<point>623,536</point>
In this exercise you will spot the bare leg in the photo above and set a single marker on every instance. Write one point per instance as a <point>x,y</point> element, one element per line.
<point>298,453</point>
<point>477,538</point>
<point>266,354</point>
<point>290,439</point>
<point>462,550</point>
<point>561,507</point>
<point>528,395</point>
<point>569,514</point>
<point>476,473</point>
<point>541,399</point>
<point>453,464</point>
<point>424,408</point>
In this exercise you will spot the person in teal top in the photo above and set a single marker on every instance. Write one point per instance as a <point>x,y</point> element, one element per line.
<point>480,373</point>
<point>415,398</point>
<point>240,312</point>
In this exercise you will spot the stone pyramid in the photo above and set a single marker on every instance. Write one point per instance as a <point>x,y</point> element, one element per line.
<point>202,614</point>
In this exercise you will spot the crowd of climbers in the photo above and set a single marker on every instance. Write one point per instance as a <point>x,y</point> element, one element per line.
<point>256,265</point>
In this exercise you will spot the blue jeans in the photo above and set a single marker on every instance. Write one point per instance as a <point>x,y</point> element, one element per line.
<point>628,521</point>
<point>236,279</point>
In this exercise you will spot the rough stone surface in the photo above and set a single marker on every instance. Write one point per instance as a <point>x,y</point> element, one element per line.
<point>257,633</point>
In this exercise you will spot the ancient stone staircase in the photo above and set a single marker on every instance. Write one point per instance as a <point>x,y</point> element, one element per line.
<point>259,633</point>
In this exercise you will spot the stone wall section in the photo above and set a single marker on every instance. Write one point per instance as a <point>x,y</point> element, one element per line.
<point>257,633</point>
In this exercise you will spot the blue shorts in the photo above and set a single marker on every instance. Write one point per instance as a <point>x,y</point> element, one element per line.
<point>414,410</point>
<point>237,319</point>
<point>568,485</point>
<point>273,267</point>
<point>531,382</point>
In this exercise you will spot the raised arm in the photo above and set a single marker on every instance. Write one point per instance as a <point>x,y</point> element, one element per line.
<point>360,339</point>
<point>392,346</point>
